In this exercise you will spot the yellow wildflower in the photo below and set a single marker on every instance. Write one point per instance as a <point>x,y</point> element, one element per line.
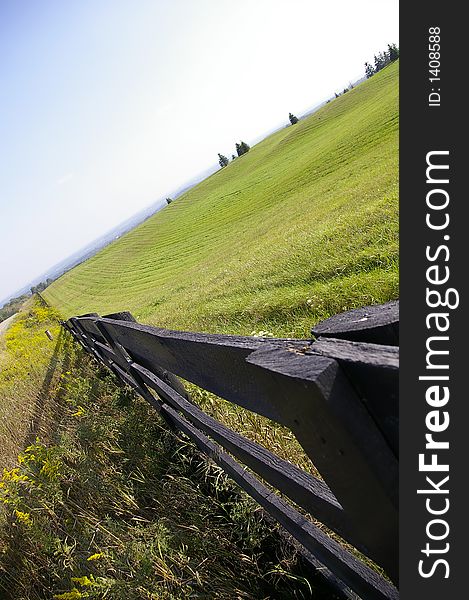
<point>96,556</point>
<point>84,581</point>
<point>23,517</point>
<point>13,475</point>
<point>50,468</point>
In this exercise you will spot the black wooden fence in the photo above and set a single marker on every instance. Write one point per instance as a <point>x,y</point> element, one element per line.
<point>337,393</point>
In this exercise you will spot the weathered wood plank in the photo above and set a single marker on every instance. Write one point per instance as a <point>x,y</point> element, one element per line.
<point>306,490</point>
<point>88,324</point>
<point>318,404</point>
<point>215,362</point>
<point>80,334</point>
<point>106,351</point>
<point>125,363</point>
<point>373,370</point>
<point>163,374</point>
<point>352,571</point>
<point>375,324</point>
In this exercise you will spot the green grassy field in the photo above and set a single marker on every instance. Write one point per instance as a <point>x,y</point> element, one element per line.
<point>303,226</point>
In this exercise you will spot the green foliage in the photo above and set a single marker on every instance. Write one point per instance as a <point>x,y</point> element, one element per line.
<point>222,160</point>
<point>242,148</point>
<point>369,71</point>
<point>393,52</point>
<point>304,226</point>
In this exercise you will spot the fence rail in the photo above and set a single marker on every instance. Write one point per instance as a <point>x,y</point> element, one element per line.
<point>337,393</point>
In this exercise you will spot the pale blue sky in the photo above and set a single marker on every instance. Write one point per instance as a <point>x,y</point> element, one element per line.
<point>107,105</point>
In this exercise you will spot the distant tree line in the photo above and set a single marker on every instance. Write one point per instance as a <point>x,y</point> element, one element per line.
<point>41,286</point>
<point>381,60</point>
<point>12,307</point>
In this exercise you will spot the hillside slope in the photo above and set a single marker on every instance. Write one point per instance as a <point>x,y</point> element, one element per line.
<point>303,226</point>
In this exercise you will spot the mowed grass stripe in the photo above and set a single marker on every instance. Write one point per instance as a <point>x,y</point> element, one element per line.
<point>303,226</point>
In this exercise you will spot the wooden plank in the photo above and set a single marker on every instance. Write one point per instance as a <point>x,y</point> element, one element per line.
<point>88,324</point>
<point>215,362</point>
<point>89,345</point>
<point>104,354</point>
<point>125,364</point>
<point>366,582</point>
<point>318,404</point>
<point>163,374</point>
<point>105,350</point>
<point>126,378</point>
<point>375,324</point>
<point>306,490</point>
<point>373,370</point>
<point>79,334</point>
<point>121,316</point>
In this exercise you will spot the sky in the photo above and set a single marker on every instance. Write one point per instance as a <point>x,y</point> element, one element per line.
<point>108,105</point>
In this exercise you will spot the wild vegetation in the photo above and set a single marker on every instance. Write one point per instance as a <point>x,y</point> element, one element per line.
<point>301,227</point>
<point>27,368</point>
<point>102,501</point>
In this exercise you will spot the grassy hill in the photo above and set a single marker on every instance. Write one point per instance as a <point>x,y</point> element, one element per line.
<point>303,226</point>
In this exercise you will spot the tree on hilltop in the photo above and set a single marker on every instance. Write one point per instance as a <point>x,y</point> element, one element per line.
<point>369,71</point>
<point>169,200</point>
<point>222,160</point>
<point>393,52</point>
<point>242,148</point>
<point>293,119</point>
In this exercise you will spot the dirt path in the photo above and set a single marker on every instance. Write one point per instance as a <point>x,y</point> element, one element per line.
<point>6,323</point>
